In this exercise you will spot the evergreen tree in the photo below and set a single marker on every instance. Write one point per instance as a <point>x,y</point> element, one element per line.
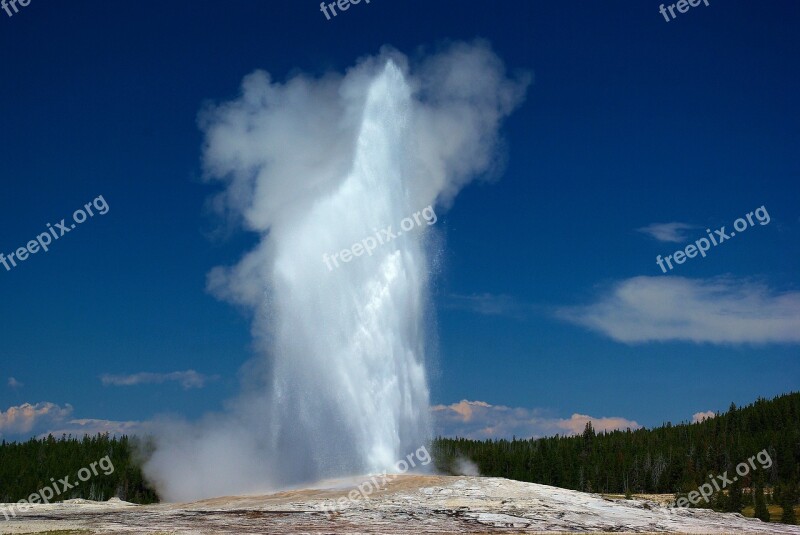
<point>26,467</point>
<point>734,504</point>
<point>787,500</point>
<point>719,502</point>
<point>667,459</point>
<point>761,511</point>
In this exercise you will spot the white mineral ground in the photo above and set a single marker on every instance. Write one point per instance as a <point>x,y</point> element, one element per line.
<point>408,504</point>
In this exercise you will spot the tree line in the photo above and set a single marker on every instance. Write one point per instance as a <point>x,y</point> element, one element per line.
<point>674,459</point>
<point>27,467</point>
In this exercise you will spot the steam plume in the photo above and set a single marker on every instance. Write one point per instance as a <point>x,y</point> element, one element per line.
<point>312,166</point>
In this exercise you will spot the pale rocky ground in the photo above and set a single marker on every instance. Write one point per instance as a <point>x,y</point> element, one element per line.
<point>408,504</point>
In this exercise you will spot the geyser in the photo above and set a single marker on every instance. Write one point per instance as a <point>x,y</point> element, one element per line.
<point>314,165</point>
<point>350,393</point>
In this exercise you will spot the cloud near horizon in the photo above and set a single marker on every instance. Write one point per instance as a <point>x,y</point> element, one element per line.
<point>481,420</point>
<point>22,419</point>
<point>90,426</point>
<point>720,310</point>
<point>469,419</point>
<point>44,418</point>
<point>674,232</point>
<point>700,416</point>
<point>188,379</point>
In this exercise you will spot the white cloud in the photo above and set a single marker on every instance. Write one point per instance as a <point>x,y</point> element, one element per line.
<point>45,418</point>
<point>720,310</point>
<point>13,383</point>
<point>22,419</point>
<point>481,420</point>
<point>700,416</point>
<point>187,379</point>
<point>669,232</point>
<point>92,427</point>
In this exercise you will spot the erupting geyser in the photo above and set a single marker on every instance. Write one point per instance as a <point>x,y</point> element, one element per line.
<point>350,392</point>
<point>314,166</point>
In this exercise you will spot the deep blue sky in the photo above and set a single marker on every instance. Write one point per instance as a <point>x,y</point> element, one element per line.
<point>630,121</point>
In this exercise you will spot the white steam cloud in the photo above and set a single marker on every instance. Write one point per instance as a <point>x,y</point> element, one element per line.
<point>314,165</point>
<point>465,467</point>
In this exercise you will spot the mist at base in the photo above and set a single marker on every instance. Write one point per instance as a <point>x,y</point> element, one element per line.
<point>338,386</point>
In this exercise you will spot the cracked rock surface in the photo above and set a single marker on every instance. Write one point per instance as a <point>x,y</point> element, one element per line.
<point>407,504</point>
